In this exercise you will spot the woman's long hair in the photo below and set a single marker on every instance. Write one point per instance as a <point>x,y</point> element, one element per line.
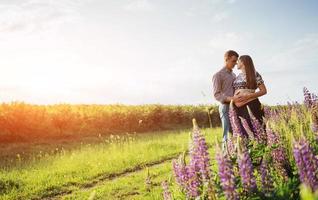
<point>250,71</point>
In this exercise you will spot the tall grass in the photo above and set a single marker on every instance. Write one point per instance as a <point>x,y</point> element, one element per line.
<point>68,170</point>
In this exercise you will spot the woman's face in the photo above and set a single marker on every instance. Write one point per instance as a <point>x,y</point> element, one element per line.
<point>240,65</point>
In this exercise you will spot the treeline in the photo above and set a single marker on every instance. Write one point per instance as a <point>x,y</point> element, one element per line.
<point>20,121</point>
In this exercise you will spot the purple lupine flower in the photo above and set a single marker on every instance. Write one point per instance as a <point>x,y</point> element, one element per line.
<point>247,128</point>
<point>259,131</point>
<point>246,172</point>
<point>299,162</point>
<point>267,112</point>
<point>314,117</point>
<point>307,98</point>
<point>278,154</point>
<point>311,164</point>
<point>275,115</point>
<point>267,182</point>
<point>187,178</point>
<point>307,163</point>
<point>272,138</point>
<point>194,183</point>
<point>314,98</point>
<point>166,192</point>
<point>230,146</point>
<point>192,177</point>
<point>235,123</point>
<point>226,175</point>
<point>180,173</point>
<point>199,155</point>
<point>310,99</point>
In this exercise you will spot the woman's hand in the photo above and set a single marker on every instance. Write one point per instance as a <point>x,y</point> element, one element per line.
<point>262,91</point>
<point>242,99</point>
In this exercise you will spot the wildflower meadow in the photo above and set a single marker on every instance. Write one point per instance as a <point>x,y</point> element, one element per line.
<point>275,160</point>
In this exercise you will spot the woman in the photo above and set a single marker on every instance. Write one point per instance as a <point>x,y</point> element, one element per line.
<point>245,85</point>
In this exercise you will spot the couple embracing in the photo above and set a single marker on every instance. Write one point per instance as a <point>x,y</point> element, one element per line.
<point>243,89</point>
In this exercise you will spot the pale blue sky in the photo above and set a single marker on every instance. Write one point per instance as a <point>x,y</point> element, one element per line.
<point>147,51</point>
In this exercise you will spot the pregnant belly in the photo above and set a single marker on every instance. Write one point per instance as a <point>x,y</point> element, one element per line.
<point>243,92</point>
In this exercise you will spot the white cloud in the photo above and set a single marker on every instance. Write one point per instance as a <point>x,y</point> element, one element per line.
<point>34,15</point>
<point>139,5</point>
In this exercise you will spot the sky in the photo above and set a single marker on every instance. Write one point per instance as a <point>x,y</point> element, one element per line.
<point>152,51</point>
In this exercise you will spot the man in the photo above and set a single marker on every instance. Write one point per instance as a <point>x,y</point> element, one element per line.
<point>223,90</point>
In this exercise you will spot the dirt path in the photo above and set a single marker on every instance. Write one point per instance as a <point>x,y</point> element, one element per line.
<point>53,195</point>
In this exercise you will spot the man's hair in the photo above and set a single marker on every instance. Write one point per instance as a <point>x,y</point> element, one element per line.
<point>230,53</point>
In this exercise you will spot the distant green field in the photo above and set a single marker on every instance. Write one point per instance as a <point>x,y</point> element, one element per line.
<point>20,122</point>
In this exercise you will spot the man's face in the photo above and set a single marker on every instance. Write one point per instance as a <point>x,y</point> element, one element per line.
<point>231,62</point>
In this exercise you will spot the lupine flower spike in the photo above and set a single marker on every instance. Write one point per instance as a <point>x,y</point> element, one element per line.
<point>234,120</point>
<point>306,162</point>
<point>246,169</point>
<point>267,182</point>
<point>226,175</point>
<point>259,131</point>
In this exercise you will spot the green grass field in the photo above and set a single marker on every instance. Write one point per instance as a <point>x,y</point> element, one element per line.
<point>113,167</point>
